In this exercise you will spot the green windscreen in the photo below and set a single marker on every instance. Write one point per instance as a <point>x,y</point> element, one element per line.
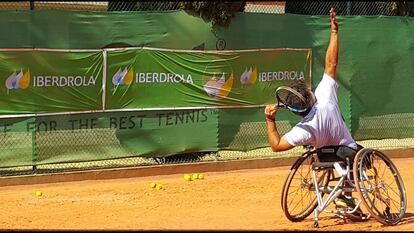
<point>375,73</point>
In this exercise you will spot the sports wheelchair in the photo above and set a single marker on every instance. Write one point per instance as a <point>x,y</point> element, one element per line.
<point>319,176</point>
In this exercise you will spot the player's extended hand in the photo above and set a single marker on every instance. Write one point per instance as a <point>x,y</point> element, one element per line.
<point>334,23</point>
<point>270,112</point>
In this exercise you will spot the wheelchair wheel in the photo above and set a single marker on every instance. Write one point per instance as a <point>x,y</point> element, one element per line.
<point>380,186</point>
<point>298,198</point>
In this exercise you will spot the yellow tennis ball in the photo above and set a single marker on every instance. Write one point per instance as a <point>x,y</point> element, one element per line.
<point>200,176</point>
<point>38,193</point>
<point>187,177</point>
<point>153,185</point>
<point>158,186</point>
<point>194,176</point>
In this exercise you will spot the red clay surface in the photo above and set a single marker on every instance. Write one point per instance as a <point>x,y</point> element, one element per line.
<point>236,200</point>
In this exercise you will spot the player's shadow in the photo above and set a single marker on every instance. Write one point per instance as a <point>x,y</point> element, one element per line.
<point>407,218</point>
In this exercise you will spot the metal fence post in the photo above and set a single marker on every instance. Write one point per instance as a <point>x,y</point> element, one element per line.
<point>34,150</point>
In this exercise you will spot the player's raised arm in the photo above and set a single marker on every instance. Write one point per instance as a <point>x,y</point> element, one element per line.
<point>331,59</point>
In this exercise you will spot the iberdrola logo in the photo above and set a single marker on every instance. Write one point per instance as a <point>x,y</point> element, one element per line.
<point>219,88</point>
<point>249,76</point>
<point>123,76</point>
<point>19,80</point>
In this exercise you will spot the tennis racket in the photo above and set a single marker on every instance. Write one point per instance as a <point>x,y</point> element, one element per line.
<point>286,96</point>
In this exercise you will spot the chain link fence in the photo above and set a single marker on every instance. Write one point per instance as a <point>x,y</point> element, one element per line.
<point>92,142</point>
<point>342,8</point>
<point>41,152</point>
<point>276,7</point>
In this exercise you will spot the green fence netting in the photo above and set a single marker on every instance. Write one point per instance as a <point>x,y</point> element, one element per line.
<point>374,75</point>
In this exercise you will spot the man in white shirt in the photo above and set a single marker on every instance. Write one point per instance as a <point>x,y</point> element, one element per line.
<point>322,124</point>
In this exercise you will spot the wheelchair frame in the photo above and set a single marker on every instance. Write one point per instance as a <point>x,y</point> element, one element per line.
<point>345,184</point>
<point>333,191</point>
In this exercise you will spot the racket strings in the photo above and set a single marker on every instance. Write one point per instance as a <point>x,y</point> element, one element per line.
<point>291,99</point>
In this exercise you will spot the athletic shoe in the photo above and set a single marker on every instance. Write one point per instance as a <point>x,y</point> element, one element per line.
<point>343,202</point>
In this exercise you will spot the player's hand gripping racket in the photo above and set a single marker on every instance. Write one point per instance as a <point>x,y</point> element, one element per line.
<point>290,99</point>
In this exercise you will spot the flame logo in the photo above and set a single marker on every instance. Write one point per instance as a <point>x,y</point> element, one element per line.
<point>219,89</point>
<point>123,76</point>
<point>19,80</point>
<point>249,76</point>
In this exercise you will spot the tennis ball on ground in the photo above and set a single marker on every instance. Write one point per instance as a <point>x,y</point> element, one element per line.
<point>194,176</point>
<point>200,176</point>
<point>39,193</point>
<point>158,186</point>
<point>153,185</point>
<point>187,177</point>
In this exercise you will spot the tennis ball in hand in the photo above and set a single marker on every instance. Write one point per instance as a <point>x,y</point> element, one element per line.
<point>187,177</point>
<point>153,185</point>
<point>39,193</point>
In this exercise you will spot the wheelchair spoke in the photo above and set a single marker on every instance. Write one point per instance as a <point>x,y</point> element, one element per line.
<point>385,169</point>
<point>395,192</point>
<point>396,203</point>
<point>380,186</point>
<point>296,191</point>
<point>308,171</point>
<point>298,201</point>
<point>301,186</point>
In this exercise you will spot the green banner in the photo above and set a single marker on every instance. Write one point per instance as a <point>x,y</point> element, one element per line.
<point>99,136</point>
<point>149,78</point>
<point>36,81</point>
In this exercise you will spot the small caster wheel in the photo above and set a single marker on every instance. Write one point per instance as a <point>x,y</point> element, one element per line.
<point>315,224</point>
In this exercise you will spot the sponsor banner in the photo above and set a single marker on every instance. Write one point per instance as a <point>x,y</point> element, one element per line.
<point>50,81</point>
<point>148,78</point>
<point>96,136</point>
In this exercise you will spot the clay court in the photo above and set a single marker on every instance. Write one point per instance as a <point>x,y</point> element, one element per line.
<point>246,199</point>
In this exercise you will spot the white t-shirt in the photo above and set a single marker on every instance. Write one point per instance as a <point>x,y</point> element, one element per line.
<point>323,126</point>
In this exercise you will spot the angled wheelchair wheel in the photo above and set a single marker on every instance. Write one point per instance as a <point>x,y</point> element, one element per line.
<point>298,194</point>
<point>380,186</point>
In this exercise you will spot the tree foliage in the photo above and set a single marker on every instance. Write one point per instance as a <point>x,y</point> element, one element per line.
<point>216,12</point>
<point>403,8</point>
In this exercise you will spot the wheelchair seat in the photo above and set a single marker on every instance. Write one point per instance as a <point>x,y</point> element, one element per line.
<point>337,153</point>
